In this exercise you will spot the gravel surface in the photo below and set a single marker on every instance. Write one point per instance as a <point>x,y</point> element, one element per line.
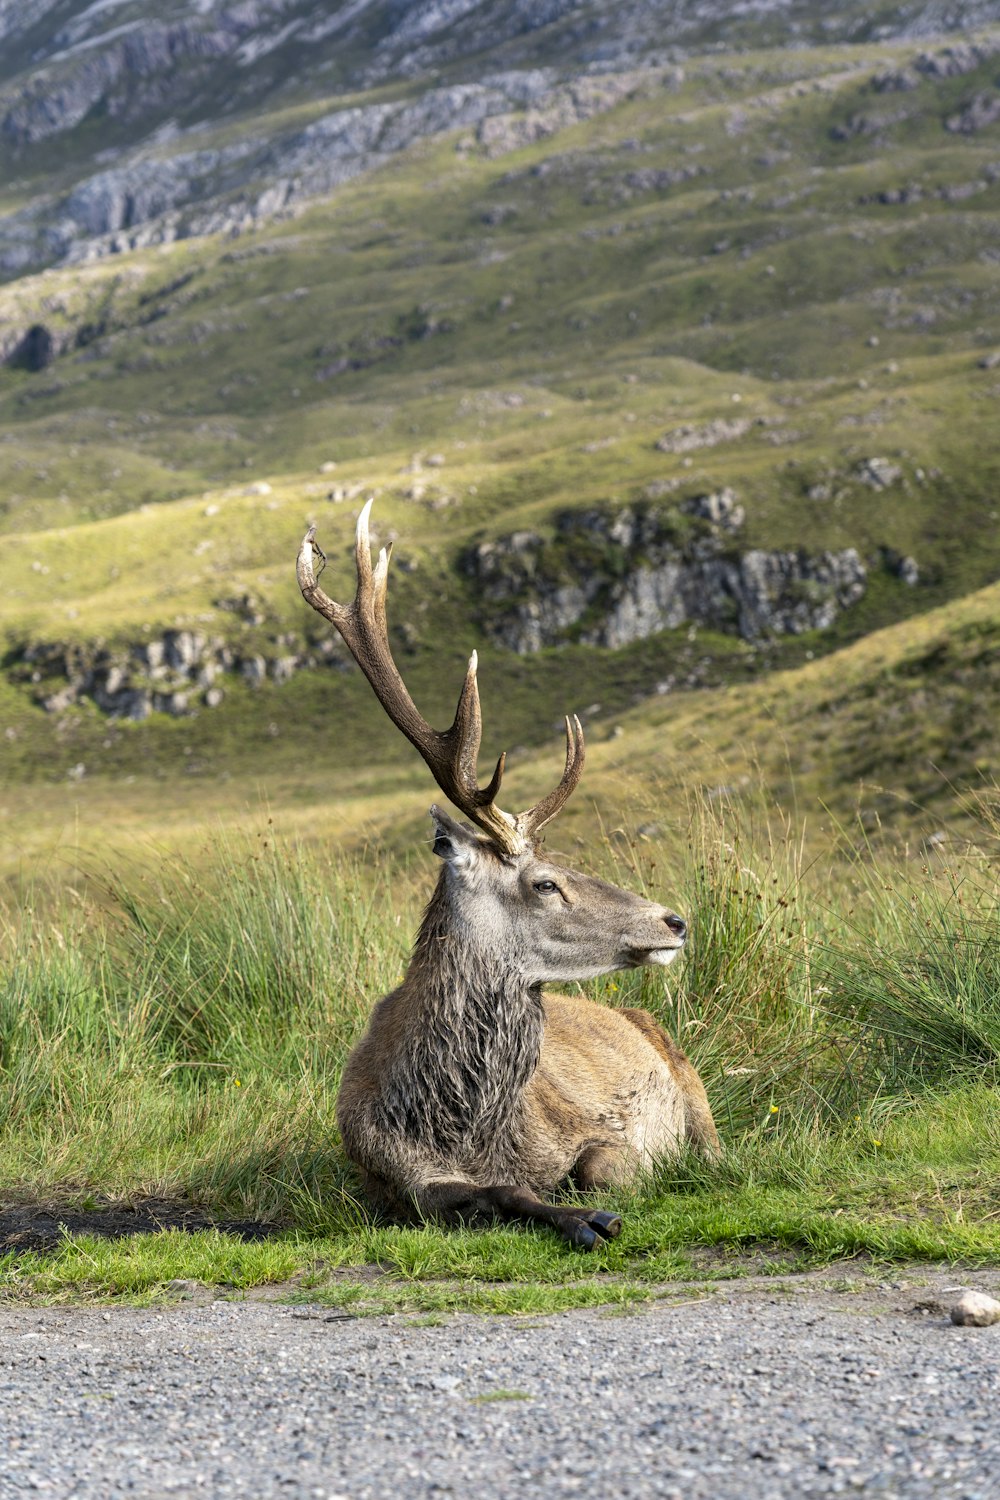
<point>803,1388</point>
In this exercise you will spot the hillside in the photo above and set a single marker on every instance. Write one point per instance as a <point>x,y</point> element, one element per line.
<point>674,370</point>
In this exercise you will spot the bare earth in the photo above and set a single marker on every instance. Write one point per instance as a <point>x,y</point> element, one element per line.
<point>803,1386</point>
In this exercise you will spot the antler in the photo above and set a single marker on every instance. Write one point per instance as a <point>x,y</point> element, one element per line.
<point>452,753</point>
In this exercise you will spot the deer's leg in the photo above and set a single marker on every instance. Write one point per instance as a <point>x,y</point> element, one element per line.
<point>699,1126</point>
<point>582,1227</point>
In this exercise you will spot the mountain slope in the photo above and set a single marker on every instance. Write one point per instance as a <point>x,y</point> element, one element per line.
<point>695,357</point>
<point>142,124</point>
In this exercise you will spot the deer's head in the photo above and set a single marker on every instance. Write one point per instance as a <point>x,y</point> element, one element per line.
<point>546,921</point>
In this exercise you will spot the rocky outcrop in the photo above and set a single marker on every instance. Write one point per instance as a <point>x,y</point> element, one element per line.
<point>570,104</point>
<point>953,61</point>
<point>981,111</point>
<point>878,473</point>
<point>174,673</point>
<point>690,437</point>
<point>33,346</point>
<point>126,71</point>
<point>159,193</point>
<point>612,577</point>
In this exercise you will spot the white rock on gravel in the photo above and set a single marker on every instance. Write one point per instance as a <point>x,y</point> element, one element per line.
<point>975,1310</point>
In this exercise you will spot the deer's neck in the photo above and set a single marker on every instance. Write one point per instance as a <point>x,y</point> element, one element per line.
<point>474,1033</point>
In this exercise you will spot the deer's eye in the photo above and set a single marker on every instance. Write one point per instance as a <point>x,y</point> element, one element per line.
<point>545,887</point>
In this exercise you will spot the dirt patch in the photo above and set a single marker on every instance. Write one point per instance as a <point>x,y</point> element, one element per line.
<point>44,1226</point>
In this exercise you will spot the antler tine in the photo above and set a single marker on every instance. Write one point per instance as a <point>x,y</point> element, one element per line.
<point>543,812</point>
<point>311,591</point>
<point>451,754</point>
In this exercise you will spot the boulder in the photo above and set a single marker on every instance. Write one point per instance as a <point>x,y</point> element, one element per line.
<point>975,1310</point>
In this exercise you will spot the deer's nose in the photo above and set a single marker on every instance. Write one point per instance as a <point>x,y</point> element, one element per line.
<point>677,925</point>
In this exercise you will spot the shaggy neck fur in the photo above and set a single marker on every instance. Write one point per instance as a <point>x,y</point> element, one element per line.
<point>474,1037</point>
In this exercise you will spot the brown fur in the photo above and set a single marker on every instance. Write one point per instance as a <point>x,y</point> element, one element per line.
<point>700,1125</point>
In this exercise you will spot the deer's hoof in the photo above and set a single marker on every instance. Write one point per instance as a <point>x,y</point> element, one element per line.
<point>582,1236</point>
<point>609,1226</point>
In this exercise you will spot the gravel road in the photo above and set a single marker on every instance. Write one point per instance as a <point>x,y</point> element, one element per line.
<point>803,1388</point>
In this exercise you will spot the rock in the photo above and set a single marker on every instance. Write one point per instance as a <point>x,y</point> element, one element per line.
<point>155,198</point>
<point>990,361</point>
<point>721,509</point>
<point>57,703</point>
<point>610,577</point>
<point>981,111</point>
<point>35,351</point>
<point>878,473</point>
<point>655,179</point>
<point>908,571</point>
<point>895,80</point>
<point>183,649</point>
<point>688,438</point>
<point>253,669</point>
<point>137,705</point>
<point>259,487</point>
<point>174,703</point>
<point>246,606</point>
<point>163,674</point>
<point>857,125</point>
<point>955,60</point>
<point>153,655</point>
<point>658,489</point>
<point>975,1310</point>
<point>184,1289</point>
<point>283,668</point>
<point>115,678</point>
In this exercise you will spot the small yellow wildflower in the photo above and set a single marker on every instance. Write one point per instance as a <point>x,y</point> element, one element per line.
<point>237,1084</point>
<point>774,1109</point>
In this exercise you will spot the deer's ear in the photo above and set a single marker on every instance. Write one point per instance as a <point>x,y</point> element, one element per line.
<point>453,841</point>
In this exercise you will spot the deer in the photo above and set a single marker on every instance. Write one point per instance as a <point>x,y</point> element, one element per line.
<point>476,1091</point>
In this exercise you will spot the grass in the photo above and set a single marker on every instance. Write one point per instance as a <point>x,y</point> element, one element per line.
<point>178,1033</point>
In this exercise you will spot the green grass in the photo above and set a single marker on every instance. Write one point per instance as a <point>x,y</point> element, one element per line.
<point>180,1034</point>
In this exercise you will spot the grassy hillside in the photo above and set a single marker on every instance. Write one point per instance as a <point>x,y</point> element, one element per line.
<point>484,340</point>
<point>891,738</point>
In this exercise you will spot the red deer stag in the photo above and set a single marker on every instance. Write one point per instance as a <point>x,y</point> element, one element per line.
<point>474,1090</point>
